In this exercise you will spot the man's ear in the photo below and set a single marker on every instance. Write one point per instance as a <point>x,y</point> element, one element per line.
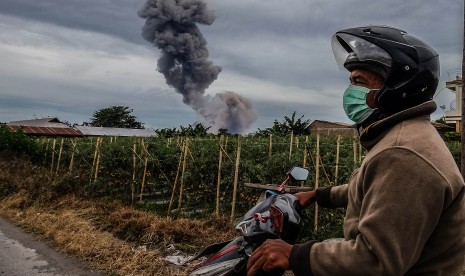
<point>370,100</point>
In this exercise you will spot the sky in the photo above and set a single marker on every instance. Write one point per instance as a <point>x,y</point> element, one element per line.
<point>70,58</point>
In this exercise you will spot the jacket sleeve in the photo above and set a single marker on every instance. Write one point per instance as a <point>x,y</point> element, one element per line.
<point>400,197</point>
<point>332,197</point>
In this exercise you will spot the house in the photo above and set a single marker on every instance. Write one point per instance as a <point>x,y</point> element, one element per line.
<point>44,127</point>
<point>54,127</point>
<point>454,115</point>
<point>327,128</point>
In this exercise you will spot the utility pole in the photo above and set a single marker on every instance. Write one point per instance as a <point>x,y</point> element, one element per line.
<point>462,124</point>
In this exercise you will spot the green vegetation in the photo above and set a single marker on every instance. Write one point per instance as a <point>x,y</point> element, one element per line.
<point>18,144</point>
<point>149,173</point>
<point>115,116</point>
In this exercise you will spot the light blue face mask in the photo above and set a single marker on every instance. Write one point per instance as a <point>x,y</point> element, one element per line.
<point>355,103</point>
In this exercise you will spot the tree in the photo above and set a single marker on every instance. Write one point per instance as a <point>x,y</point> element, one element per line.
<point>115,116</point>
<point>288,125</point>
<point>196,130</point>
<point>167,132</point>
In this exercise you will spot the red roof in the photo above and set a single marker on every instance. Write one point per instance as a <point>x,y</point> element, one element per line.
<point>47,131</point>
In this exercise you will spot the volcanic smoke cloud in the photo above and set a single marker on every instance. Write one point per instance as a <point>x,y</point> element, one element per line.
<point>171,26</point>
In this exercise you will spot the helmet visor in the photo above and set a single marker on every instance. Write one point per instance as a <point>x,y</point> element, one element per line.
<point>343,44</point>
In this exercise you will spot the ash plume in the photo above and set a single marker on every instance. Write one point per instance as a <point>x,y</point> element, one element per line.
<point>171,26</point>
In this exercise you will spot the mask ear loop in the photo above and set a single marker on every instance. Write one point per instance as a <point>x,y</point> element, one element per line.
<point>371,98</point>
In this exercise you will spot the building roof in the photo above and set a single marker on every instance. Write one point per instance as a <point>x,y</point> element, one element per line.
<point>111,131</point>
<point>44,127</point>
<point>46,131</point>
<point>441,126</point>
<point>44,122</point>
<point>336,124</point>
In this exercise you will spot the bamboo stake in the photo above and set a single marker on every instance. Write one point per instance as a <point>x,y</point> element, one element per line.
<point>143,151</point>
<point>95,158</point>
<point>355,151</point>
<point>71,162</point>
<point>59,155</point>
<point>134,162</point>
<point>317,174</point>
<point>218,184</point>
<point>304,164</point>
<point>270,147</point>
<point>99,144</point>
<point>337,159</point>
<point>181,188</point>
<point>53,155</point>
<point>146,160</point>
<point>176,178</point>
<point>359,152</point>
<point>46,150</point>
<point>290,145</point>
<point>236,174</point>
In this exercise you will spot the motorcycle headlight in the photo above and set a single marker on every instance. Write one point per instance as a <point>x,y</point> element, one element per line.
<point>217,269</point>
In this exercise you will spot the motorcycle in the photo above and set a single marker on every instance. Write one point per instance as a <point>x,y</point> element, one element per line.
<point>277,216</point>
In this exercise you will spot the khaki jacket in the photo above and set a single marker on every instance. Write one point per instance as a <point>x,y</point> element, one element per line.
<point>405,206</point>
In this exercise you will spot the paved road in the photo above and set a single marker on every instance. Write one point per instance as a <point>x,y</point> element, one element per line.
<point>22,255</point>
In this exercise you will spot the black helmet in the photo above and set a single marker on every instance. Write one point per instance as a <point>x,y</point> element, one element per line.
<point>409,66</point>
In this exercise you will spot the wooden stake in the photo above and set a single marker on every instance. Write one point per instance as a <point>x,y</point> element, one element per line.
<point>337,159</point>
<point>71,162</point>
<point>177,177</point>
<point>181,188</point>
<point>46,149</point>
<point>146,160</point>
<point>304,163</point>
<point>359,152</point>
<point>236,177</point>
<point>53,155</point>
<point>355,151</point>
<point>95,157</point>
<point>59,155</point>
<point>317,174</point>
<point>218,183</point>
<point>290,145</point>
<point>270,146</point>
<point>134,163</point>
<point>97,163</point>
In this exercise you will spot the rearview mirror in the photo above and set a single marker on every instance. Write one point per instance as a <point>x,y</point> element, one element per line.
<point>298,173</point>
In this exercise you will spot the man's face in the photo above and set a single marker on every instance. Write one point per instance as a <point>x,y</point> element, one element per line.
<point>368,79</point>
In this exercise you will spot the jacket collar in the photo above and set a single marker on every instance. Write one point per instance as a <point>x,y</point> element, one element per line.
<point>373,133</point>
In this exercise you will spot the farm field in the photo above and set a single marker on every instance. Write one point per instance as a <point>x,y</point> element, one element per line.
<point>124,204</point>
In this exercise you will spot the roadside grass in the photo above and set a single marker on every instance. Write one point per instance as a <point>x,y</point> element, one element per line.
<point>96,234</point>
<point>105,234</point>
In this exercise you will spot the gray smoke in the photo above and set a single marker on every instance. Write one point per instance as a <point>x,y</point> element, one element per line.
<point>171,26</point>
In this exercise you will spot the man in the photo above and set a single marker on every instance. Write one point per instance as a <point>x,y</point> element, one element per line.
<point>405,206</point>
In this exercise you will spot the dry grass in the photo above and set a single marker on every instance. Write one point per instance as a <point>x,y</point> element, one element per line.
<point>112,238</point>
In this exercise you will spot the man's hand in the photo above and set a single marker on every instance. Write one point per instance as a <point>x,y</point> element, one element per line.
<point>272,254</point>
<point>306,198</point>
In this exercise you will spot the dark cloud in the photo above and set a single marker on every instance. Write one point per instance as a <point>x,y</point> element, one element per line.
<point>113,17</point>
<point>281,43</point>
